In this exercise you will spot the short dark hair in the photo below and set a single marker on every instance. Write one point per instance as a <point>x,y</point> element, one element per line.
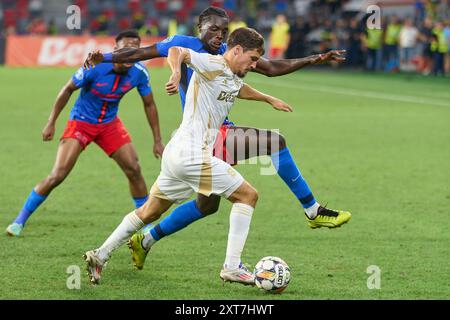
<point>247,38</point>
<point>131,33</point>
<point>206,14</point>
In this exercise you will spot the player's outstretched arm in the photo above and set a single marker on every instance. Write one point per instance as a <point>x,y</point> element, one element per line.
<point>152,117</point>
<point>274,68</point>
<point>61,101</point>
<point>176,56</point>
<point>248,93</point>
<point>124,55</point>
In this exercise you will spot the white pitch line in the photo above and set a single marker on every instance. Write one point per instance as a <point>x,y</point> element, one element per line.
<point>356,93</point>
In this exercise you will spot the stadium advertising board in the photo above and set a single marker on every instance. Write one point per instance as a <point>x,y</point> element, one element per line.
<point>32,51</point>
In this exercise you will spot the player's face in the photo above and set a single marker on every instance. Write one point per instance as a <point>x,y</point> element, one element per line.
<point>245,61</point>
<point>125,43</point>
<point>213,32</point>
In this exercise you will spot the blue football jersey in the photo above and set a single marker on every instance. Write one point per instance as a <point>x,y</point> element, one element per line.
<point>193,43</point>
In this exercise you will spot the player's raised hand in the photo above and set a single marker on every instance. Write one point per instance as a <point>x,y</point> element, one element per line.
<point>172,85</point>
<point>48,132</point>
<point>333,55</point>
<point>158,149</point>
<point>277,104</point>
<point>93,58</point>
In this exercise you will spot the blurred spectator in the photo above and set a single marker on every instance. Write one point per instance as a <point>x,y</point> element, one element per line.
<point>391,40</point>
<point>235,23</point>
<point>407,41</point>
<point>439,48</point>
<point>419,7</point>
<point>424,37</point>
<point>302,7</point>
<point>372,41</point>
<point>52,29</point>
<point>443,10</point>
<point>447,37</point>
<point>37,27</point>
<point>430,9</point>
<point>35,8</point>
<point>297,44</point>
<point>279,37</point>
<point>354,52</point>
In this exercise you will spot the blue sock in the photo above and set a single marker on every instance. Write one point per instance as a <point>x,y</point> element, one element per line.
<point>34,200</point>
<point>288,171</point>
<point>179,218</point>
<point>138,202</point>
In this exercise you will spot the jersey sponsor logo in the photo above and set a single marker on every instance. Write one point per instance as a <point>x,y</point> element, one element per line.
<point>227,96</point>
<point>101,84</point>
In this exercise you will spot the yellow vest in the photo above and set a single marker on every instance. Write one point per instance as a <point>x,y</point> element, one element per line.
<point>279,36</point>
<point>441,45</point>
<point>374,38</point>
<point>392,33</point>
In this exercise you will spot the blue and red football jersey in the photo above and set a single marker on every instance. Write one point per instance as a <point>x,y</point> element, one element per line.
<point>102,89</point>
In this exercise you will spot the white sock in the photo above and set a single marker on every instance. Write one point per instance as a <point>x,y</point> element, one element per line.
<point>129,225</point>
<point>148,240</point>
<point>240,218</point>
<point>311,212</point>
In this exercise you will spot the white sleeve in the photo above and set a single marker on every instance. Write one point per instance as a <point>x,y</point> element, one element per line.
<point>206,65</point>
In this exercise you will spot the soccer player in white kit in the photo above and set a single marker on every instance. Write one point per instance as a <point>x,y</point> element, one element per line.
<point>188,164</point>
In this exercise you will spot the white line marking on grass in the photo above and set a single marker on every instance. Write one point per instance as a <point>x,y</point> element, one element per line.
<point>356,93</point>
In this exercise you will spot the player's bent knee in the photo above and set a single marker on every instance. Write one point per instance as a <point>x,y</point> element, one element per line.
<point>56,177</point>
<point>251,196</point>
<point>134,172</point>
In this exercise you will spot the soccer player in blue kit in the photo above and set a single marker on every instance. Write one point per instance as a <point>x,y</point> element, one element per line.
<point>94,118</point>
<point>213,29</point>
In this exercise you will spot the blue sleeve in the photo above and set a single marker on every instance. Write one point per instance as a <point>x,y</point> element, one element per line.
<point>174,41</point>
<point>82,77</point>
<point>143,86</point>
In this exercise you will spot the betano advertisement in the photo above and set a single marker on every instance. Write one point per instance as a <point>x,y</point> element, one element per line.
<point>32,51</point>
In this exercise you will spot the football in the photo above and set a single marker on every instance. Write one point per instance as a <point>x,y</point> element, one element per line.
<point>272,274</point>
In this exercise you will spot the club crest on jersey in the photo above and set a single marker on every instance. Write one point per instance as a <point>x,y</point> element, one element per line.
<point>227,96</point>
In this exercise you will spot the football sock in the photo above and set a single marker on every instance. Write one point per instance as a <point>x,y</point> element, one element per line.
<point>179,218</point>
<point>311,212</point>
<point>240,218</point>
<point>139,201</point>
<point>148,240</point>
<point>33,201</point>
<point>289,172</point>
<point>129,225</point>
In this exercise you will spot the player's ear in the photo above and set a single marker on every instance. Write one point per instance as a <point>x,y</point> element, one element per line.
<point>237,50</point>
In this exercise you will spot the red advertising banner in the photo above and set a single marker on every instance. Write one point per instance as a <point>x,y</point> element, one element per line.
<point>32,51</point>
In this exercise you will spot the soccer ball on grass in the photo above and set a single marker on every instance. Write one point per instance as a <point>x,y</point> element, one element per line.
<point>272,274</point>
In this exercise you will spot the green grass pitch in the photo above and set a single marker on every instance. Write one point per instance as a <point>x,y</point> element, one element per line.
<point>376,145</point>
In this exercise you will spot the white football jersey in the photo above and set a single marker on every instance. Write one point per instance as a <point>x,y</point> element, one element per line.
<point>210,96</point>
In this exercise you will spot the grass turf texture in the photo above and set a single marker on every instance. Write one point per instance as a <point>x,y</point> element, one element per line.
<point>376,145</point>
